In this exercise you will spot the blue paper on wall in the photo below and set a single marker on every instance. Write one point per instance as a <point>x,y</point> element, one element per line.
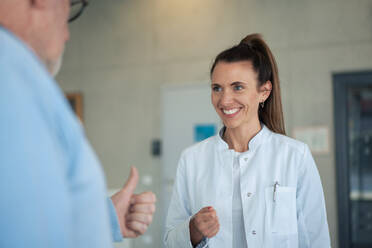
<point>203,131</point>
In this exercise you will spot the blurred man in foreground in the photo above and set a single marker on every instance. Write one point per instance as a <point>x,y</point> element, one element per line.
<point>52,188</point>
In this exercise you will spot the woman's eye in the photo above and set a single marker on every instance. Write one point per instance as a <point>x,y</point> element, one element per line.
<point>216,88</point>
<point>238,87</point>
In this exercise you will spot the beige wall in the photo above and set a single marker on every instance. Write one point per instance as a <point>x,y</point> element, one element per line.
<point>122,51</point>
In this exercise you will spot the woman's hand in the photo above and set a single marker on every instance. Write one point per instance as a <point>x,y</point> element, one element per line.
<point>203,224</point>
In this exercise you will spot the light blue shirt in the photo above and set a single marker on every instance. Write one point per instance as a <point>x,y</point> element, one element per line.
<point>52,188</point>
<point>292,214</point>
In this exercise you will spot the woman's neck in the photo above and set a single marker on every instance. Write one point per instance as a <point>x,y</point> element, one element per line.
<point>238,138</point>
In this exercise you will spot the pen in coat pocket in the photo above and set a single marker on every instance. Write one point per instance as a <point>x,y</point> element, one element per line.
<point>276,184</point>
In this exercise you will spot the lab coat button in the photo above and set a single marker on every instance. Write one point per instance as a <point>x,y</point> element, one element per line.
<point>254,232</point>
<point>249,194</point>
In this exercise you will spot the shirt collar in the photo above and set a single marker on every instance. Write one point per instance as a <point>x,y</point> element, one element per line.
<point>20,45</point>
<point>255,142</point>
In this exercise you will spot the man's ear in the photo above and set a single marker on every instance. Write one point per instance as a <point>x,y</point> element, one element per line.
<point>265,90</point>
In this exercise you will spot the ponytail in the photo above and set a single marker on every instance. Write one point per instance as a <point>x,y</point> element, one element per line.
<point>253,48</point>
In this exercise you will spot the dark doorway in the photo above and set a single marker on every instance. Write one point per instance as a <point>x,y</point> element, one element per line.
<point>353,133</point>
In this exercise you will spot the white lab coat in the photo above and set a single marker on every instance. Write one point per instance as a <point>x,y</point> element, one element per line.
<point>297,218</point>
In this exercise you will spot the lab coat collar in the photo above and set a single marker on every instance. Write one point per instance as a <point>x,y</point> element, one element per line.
<point>255,142</point>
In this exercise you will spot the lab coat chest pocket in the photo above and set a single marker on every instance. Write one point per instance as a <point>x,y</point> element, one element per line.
<point>281,210</point>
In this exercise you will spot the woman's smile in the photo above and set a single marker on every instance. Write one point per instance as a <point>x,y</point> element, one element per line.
<point>230,113</point>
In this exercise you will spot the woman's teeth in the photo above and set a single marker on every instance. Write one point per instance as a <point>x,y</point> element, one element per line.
<point>230,111</point>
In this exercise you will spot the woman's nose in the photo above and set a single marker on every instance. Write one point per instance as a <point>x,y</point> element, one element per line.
<point>226,98</point>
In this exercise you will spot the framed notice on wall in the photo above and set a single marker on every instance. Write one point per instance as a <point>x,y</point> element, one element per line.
<point>316,137</point>
<point>76,103</point>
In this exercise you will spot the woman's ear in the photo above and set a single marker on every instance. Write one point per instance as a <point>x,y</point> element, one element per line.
<point>265,90</point>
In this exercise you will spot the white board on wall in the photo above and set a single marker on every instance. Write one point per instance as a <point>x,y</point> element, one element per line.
<point>184,107</point>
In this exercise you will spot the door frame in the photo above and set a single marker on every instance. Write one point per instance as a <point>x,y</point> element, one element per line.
<point>342,82</point>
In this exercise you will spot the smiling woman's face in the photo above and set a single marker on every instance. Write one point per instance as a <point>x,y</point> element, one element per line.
<point>234,93</point>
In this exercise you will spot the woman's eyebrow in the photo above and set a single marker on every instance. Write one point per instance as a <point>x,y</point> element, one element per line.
<point>237,83</point>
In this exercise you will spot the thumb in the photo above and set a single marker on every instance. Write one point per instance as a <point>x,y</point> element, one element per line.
<point>132,181</point>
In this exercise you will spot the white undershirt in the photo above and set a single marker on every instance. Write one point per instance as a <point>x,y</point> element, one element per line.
<point>239,239</point>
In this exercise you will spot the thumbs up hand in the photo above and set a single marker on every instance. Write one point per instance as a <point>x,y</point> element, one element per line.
<point>134,211</point>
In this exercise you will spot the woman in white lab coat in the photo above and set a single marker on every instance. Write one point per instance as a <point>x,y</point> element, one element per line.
<point>250,185</point>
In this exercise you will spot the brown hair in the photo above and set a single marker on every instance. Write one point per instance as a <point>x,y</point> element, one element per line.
<point>253,48</point>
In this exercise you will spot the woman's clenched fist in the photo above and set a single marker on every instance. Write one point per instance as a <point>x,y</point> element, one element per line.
<point>203,224</point>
